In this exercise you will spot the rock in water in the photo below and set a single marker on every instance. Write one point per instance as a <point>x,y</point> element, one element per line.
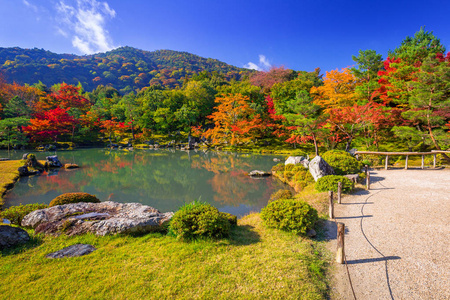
<point>297,160</point>
<point>99,218</point>
<point>71,166</point>
<point>318,168</point>
<point>12,236</point>
<point>53,161</point>
<point>257,173</point>
<point>72,251</point>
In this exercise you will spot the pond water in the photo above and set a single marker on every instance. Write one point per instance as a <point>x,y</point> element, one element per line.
<point>163,179</point>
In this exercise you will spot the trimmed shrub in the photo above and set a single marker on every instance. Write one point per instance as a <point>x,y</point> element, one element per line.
<point>280,194</point>
<point>342,162</point>
<point>302,178</point>
<point>198,219</point>
<point>15,214</point>
<point>278,168</point>
<point>330,183</point>
<point>73,198</point>
<point>289,215</point>
<point>232,219</point>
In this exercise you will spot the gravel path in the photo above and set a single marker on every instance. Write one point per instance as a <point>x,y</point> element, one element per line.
<point>397,237</point>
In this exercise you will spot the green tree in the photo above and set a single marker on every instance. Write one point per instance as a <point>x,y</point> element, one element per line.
<point>369,63</point>
<point>11,134</point>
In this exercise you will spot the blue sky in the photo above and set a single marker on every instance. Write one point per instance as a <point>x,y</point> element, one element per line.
<point>300,35</point>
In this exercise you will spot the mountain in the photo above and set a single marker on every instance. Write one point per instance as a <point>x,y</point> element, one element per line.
<point>124,68</point>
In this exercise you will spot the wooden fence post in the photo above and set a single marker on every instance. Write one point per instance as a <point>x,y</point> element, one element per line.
<point>423,158</point>
<point>331,209</point>
<point>434,161</point>
<point>339,192</point>
<point>386,162</point>
<point>368,181</point>
<point>340,243</point>
<point>406,163</point>
<point>366,169</point>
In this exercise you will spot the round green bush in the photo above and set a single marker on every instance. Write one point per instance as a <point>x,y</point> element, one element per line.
<point>342,162</point>
<point>280,194</point>
<point>73,198</point>
<point>15,214</point>
<point>198,219</point>
<point>330,183</point>
<point>289,215</point>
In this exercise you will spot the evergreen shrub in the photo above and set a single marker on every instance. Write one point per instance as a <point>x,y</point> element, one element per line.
<point>198,219</point>
<point>280,194</point>
<point>330,183</point>
<point>73,198</point>
<point>289,215</point>
<point>342,162</point>
<point>15,214</point>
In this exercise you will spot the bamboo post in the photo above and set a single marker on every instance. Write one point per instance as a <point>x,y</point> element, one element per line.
<point>434,160</point>
<point>406,163</point>
<point>340,243</point>
<point>386,162</point>
<point>339,192</point>
<point>331,209</point>
<point>368,181</point>
<point>423,157</point>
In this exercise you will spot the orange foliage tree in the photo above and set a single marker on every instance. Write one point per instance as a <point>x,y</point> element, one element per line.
<point>338,90</point>
<point>234,121</point>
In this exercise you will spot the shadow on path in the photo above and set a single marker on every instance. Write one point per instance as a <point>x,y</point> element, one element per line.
<point>368,260</point>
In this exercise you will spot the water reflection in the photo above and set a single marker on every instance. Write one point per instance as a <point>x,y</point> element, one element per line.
<point>160,178</point>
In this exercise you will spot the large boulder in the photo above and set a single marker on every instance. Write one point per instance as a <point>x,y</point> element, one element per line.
<point>12,236</point>
<point>318,168</point>
<point>72,251</point>
<point>99,218</point>
<point>53,162</point>
<point>297,160</point>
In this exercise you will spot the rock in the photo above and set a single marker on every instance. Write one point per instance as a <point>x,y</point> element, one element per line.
<point>311,233</point>
<point>257,173</point>
<point>12,236</point>
<point>352,151</point>
<point>23,171</point>
<point>276,159</point>
<point>297,160</point>
<point>25,156</point>
<point>353,177</point>
<point>53,161</point>
<point>4,159</point>
<point>318,168</point>
<point>72,251</point>
<point>71,166</point>
<point>99,218</point>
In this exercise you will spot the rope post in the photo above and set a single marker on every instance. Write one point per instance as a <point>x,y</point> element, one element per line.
<point>423,158</point>
<point>339,192</point>
<point>331,210</point>
<point>368,181</point>
<point>340,253</point>
<point>434,160</point>
<point>386,162</point>
<point>406,163</point>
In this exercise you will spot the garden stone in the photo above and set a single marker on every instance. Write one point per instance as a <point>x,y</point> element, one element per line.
<point>276,159</point>
<point>297,160</point>
<point>353,177</point>
<point>318,168</point>
<point>71,166</point>
<point>257,173</point>
<point>311,233</point>
<point>103,218</point>
<point>72,251</point>
<point>23,171</point>
<point>25,156</point>
<point>12,236</point>
<point>352,151</point>
<point>53,161</point>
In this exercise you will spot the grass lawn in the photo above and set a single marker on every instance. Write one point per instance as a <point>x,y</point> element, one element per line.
<point>8,175</point>
<point>255,263</point>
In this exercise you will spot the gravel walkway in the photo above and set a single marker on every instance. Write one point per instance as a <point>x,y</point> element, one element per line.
<point>397,237</point>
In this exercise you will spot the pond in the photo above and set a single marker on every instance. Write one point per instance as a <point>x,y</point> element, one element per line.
<point>163,179</point>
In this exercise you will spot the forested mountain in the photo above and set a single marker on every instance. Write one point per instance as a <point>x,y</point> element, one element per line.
<point>126,68</point>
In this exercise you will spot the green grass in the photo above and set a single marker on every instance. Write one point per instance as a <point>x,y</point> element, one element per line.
<point>255,263</point>
<point>8,175</point>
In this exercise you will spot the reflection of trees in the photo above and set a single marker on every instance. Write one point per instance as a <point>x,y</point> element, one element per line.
<point>163,179</point>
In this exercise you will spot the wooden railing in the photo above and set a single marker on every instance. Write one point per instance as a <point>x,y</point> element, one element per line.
<point>407,154</point>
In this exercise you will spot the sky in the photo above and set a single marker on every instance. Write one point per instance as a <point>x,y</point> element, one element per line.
<point>296,34</point>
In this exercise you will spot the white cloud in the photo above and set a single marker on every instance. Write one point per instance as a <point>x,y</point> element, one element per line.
<point>252,66</point>
<point>86,22</point>
<point>264,61</point>
<point>28,4</point>
<point>263,64</point>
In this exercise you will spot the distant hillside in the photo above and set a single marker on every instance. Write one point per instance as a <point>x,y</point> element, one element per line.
<point>125,68</point>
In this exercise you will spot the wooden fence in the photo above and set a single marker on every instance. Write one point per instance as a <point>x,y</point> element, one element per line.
<point>407,154</point>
